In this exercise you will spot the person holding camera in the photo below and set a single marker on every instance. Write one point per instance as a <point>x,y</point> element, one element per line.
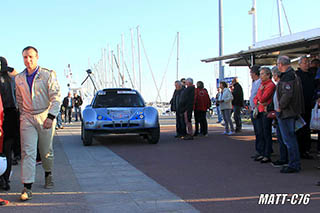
<point>11,118</point>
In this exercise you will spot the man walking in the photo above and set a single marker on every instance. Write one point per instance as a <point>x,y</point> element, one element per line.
<point>68,105</point>
<point>38,98</point>
<point>77,100</point>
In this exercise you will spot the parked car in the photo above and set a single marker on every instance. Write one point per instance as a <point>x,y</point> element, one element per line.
<point>119,111</point>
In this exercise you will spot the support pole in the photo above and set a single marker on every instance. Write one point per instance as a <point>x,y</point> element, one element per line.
<point>221,66</point>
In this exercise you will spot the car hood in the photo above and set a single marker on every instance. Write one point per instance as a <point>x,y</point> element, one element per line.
<point>120,113</point>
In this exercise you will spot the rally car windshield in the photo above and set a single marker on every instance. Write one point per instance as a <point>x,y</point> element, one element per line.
<point>112,99</point>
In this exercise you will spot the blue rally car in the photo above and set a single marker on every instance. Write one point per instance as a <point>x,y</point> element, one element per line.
<point>118,111</point>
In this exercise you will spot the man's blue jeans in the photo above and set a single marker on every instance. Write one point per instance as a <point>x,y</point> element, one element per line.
<point>219,114</point>
<point>289,139</point>
<point>282,147</point>
<point>77,111</point>
<point>59,120</point>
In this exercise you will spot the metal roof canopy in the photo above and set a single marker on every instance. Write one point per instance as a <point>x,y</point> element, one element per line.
<point>267,52</point>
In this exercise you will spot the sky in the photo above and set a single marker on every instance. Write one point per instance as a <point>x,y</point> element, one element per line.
<point>76,31</point>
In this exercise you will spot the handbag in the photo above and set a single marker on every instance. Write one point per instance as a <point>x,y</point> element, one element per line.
<point>315,118</point>
<point>271,114</point>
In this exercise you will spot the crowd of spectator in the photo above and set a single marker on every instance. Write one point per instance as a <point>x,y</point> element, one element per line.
<point>284,97</point>
<point>280,98</point>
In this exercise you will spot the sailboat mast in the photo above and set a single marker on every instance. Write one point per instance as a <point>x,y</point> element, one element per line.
<point>132,50</point>
<point>279,18</point>
<point>139,58</point>
<point>178,55</point>
<point>122,55</point>
<point>118,65</point>
<point>112,68</point>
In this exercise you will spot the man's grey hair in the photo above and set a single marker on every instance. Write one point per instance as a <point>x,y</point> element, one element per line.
<point>275,71</point>
<point>301,59</point>
<point>178,82</point>
<point>284,60</point>
<point>266,70</point>
<point>190,80</point>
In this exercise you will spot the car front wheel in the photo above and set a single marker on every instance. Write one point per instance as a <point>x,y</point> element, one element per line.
<point>86,136</point>
<point>154,136</point>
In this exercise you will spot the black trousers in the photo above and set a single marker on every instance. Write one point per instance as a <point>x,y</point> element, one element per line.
<point>180,124</point>
<point>237,117</point>
<point>200,120</point>
<point>10,130</point>
<point>304,134</point>
<point>16,147</point>
<point>68,114</point>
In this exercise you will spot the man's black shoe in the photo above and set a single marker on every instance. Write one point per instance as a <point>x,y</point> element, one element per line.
<point>259,158</point>
<point>265,160</point>
<point>238,130</point>
<point>279,163</point>
<point>318,183</point>
<point>287,169</point>
<point>255,156</point>
<point>188,137</point>
<point>18,157</point>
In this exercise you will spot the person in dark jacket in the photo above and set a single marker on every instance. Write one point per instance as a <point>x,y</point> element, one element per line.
<point>202,104</point>
<point>11,118</point>
<point>291,104</point>
<point>77,102</point>
<point>220,119</point>
<point>308,88</point>
<point>68,105</point>
<point>183,82</point>
<point>237,103</point>
<point>174,102</point>
<point>186,105</point>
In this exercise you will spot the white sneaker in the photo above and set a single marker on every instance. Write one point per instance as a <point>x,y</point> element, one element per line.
<point>225,133</point>
<point>231,133</point>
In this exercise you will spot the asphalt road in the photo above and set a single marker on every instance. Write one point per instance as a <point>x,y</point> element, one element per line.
<point>216,173</point>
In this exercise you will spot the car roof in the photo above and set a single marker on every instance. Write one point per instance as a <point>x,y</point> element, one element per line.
<point>117,89</point>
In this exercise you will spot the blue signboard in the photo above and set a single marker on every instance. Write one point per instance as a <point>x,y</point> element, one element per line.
<point>228,80</point>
